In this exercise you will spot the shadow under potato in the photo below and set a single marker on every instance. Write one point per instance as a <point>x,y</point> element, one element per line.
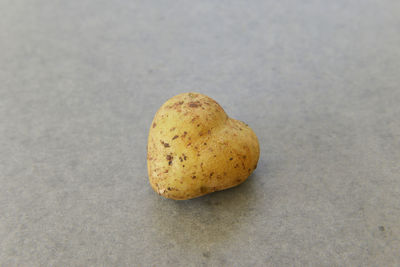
<point>209,219</point>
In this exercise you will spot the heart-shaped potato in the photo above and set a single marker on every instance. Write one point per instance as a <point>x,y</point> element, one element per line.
<point>194,148</point>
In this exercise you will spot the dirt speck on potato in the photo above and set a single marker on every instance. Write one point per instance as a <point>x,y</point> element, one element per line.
<point>194,104</point>
<point>203,189</point>
<point>164,144</point>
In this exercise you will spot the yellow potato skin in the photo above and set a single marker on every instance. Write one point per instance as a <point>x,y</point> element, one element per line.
<point>194,148</point>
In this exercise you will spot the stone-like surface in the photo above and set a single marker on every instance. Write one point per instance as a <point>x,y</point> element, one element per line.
<point>318,81</point>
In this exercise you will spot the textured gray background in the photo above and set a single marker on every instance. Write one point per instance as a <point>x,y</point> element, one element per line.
<point>318,81</point>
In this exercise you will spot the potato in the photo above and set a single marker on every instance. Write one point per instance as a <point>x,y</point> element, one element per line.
<point>194,148</point>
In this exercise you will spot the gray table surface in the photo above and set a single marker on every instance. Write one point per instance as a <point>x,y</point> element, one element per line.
<point>318,81</point>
